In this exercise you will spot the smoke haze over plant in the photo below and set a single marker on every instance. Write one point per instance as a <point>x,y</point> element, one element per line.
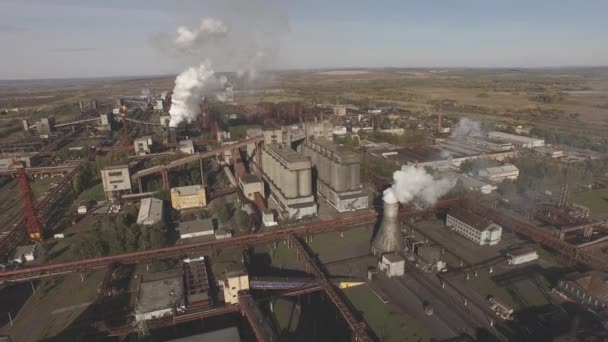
<point>248,41</point>
<point>466,127</point>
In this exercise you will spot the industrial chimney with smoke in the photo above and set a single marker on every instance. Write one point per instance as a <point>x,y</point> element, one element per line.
<point>388,238</point>
<point>412,184</point>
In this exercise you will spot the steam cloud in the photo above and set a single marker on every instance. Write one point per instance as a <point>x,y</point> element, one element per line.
<point>209,30</point>
<point>412,184</point>
<point>466,127</point>
<point>190,86</point>
<point>247,44</point>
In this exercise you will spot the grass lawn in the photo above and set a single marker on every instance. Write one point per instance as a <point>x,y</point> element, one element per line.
<point>388,323</point>
<point>595,200</point>
<point>331,246</point>
<point>519,294</point>
<point>94,193</point>
<point>226,259</point>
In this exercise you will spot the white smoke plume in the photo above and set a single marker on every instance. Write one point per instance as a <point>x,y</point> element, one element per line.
<point>208,31</point>
<point>190,87</point>
<point>412,184</point>
<point>466,127</point>
<point>227,90</point>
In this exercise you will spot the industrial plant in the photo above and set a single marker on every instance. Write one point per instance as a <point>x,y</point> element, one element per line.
<point>261,205</point>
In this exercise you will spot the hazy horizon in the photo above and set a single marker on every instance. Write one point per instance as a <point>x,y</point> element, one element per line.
<point>49,39</point>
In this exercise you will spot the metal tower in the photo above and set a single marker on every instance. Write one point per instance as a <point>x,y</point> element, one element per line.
<point>34,227</point>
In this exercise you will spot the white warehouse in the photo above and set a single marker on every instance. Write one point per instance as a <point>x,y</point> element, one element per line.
<point>499,173</point>
<point>474,227</point>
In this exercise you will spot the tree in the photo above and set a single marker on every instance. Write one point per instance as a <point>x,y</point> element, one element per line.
<point>223,213</point>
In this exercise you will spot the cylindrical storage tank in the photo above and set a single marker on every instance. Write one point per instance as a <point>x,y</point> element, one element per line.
<point>265,163</point>
<point>304,182</point>
<point>290,183</point>
<point>355,176</point>
<point>339,177</point>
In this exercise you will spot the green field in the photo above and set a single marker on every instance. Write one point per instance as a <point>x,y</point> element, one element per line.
<point>94,193</point>
<point>386,321</point>
<point>596,201</point>
<point>518,294</point>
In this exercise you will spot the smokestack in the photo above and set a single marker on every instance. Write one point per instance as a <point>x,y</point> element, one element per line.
<point>388,238</point>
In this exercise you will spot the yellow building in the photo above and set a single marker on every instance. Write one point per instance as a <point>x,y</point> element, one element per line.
<point>186,197</point>
<point>233,282</point>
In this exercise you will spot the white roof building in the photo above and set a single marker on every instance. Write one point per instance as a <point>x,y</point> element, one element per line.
<point>500,173</point>
<point>195,228</point>
<point>474,227</point>
<point>25,253</point>
<point>186,146</point>
<point>150,211</point>
<point>160,298</point>
<point>517,140</point>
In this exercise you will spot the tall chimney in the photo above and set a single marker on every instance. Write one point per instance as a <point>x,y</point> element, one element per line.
<point>388,238</point>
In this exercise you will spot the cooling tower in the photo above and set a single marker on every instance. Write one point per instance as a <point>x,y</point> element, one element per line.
<point>388,238</point>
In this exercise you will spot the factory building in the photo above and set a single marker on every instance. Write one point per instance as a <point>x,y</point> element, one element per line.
<point>338,174</point>
<point>143,145</point>
<point>186,146</point>
<point>29,159</point>
<point>196,228</point>
<point>319,130</point>
<point>392,264</point>
<point>589,288</point>
<point>250,184</point>
<point>549,152</point>
<point>518,141</point>
<point>499,173</point>
<point>474,184</point>
<point>431,256</point>
<point>519,257</point>
<point>474,227</point>
<point>339,110</point>
<point>25,253</point>
<point>186,197</point>
<point>116,181</point>
<point>288,174</point>
<point>150,211</point>
<point>105,121</point>
<point>447,154</point>
<point>159,106</point>
<point>160,298</point>
<point>46,126</point>
<point>232,282</point>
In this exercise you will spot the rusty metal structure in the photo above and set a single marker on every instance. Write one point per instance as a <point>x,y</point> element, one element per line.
<point>33,224</point>
<point>571,252</point>
<point>339,224</point>
<point>198,157</point>
<point>14,235</point>
<point>359,327</point>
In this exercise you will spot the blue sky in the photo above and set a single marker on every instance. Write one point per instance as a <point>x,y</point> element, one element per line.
<point>87,38</point>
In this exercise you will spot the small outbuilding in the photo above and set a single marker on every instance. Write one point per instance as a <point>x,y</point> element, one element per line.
<point>196,228</point>
<point>392,264</point>
<point>25,253</point>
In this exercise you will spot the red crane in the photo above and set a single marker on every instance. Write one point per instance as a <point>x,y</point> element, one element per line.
<point>34,227</point>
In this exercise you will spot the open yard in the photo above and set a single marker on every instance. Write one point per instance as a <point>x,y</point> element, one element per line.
<point>389,324</point>
<point>595,200</point>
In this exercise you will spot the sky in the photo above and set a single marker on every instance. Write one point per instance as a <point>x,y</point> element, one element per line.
<point>94,38</point>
